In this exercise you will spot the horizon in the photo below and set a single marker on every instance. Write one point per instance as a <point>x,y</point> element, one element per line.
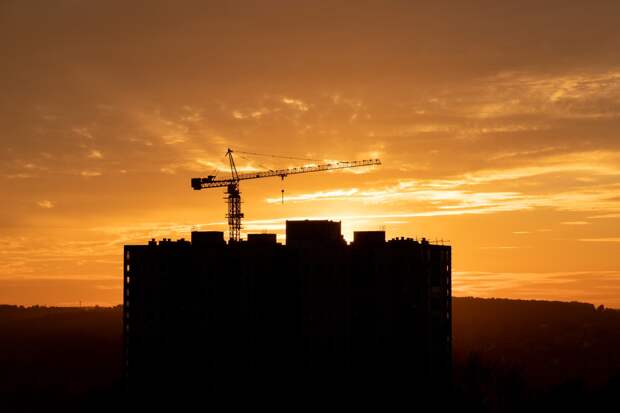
<point>120,306</point>
<point>497,127</point>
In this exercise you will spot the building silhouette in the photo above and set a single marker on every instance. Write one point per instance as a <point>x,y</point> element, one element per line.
<point>316,318</point>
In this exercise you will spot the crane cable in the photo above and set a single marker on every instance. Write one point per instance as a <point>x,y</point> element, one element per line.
<point>274,156</point>
<point>262,166</point>
<point>279,156</point>
<point>216,170</point>
<point>269,169</point>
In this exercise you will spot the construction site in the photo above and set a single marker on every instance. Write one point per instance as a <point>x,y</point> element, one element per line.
<point>315,317</point>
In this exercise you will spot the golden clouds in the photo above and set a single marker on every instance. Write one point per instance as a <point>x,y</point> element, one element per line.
<point>317,195</point>
<point>590,286</point>
<point>484,141</point>
<point>461,194</point>
<point>583,95</point>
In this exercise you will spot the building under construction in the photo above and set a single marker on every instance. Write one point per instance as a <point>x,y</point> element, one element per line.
<point>315,318</point>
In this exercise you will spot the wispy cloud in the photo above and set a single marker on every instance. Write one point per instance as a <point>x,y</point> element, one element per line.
<point>83,132</point>
<point>598,287</point>
<point>95,154</point>
<point>296,103</point>
<point>46,204</point>
<point>19,176</point>
<point>463,195</point>
<point>604,216</point>
<point>586,95</point>
<point>335,194</point>
<point>254,114</point>
<point>173,138</point>
<point>505,247</point>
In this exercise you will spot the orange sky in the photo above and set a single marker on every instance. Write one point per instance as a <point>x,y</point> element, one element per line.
<point>498,127</point>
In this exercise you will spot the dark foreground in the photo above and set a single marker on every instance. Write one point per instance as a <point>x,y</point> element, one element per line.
<point>508,355</point>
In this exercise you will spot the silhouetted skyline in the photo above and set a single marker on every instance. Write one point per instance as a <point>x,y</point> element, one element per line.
<point>315,319</point>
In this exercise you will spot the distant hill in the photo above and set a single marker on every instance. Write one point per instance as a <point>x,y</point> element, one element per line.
<point>548,341</point>
<point>507,353</point>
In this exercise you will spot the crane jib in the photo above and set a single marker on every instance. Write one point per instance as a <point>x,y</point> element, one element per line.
<point>211,182</point>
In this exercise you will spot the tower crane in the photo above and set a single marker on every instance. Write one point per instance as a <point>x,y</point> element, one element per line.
<point>231,184</point>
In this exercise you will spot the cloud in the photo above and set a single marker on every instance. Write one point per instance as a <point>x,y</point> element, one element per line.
<point>95,154</point>
<point>599,162</point>
<point>611,239</point>
<point>19,176</point>
<point>205,166</point>
<point>438,199</point>
<point>38,256</point>
<point>335,194</point>
<point>255,114</point>
<point>89,174</point>
<point>604,216</point>
<point>598,287</point>
<point>516,154</point>
<point>296,103</point>
<point>83,132</point>
<point>575,223</point>
<point>467,193</point>
<point>174,139</point>
<point>585,95</point>
<point>46,204</point>
<point>504,247</point>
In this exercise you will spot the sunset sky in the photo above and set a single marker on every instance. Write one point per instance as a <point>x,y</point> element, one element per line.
<point>498,127</point>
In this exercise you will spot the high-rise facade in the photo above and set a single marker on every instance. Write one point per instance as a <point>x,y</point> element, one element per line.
<point>316,317</point>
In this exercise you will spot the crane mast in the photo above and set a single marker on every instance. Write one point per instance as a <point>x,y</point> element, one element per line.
<point>234,214</point>
<point>233,195</point>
